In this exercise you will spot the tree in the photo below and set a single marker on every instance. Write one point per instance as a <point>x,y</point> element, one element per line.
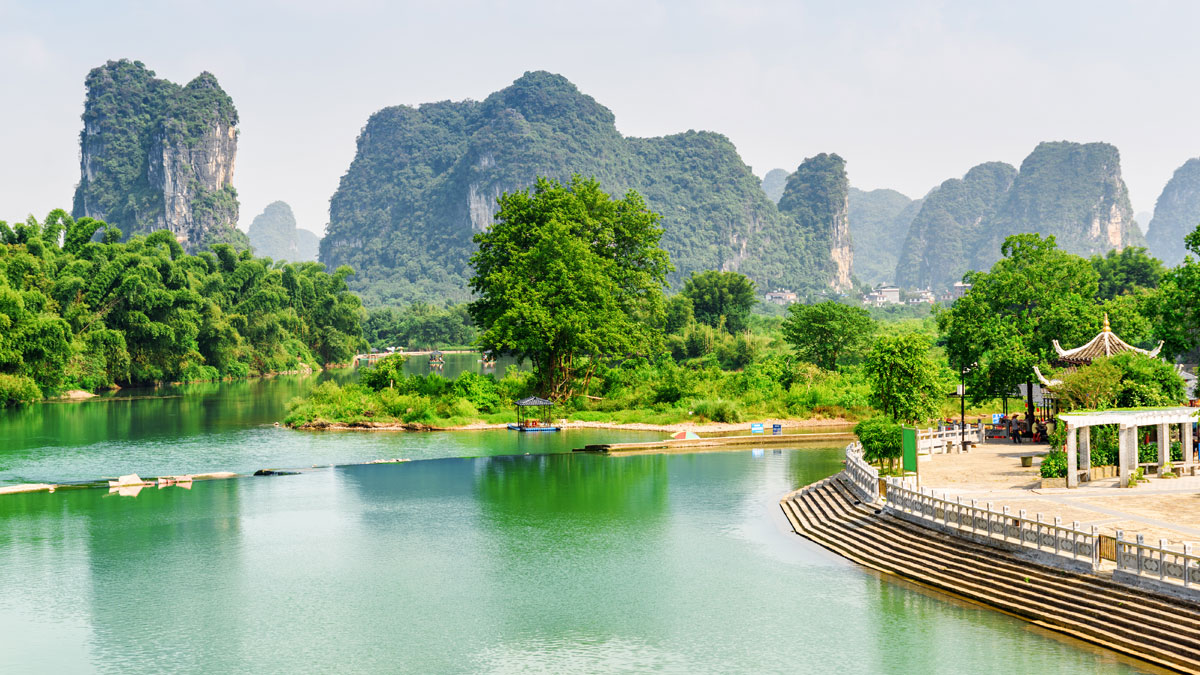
<point>566,277</point>
<point>679,313</point>
<point>905,382</point>
<point>1176,309</point>
<point>827,331</point>
<point>1006,323</point>
<point>721,294</point>
<point>881,439</point>
<point>1126,380</point>
<point>1126,271</point>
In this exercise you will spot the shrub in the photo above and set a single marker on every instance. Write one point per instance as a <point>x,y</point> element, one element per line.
<point>718,410</point>
<point>18,390</point>
<point>479,390</point>
<point>385,373</point>
<point>880,438</point>
<point>1054,464</point>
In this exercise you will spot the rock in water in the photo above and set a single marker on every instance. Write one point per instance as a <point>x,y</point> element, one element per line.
<point>425,179</point>
<point>1176,214</point>
<point>273,234</point>
<point>157,156</point>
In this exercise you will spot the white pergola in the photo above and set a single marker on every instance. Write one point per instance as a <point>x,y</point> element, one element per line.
<point>1079,450</point>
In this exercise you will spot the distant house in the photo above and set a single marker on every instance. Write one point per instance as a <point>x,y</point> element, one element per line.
<point>959,289</point>
<point>782,296</point>
<point>925,296</point>
<point>883,295</point>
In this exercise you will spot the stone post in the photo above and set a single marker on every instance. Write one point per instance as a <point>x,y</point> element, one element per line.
<point>1164,446</point>
<point>1123,435</point>
<point>1185,440</point>
<point>1072,458</point>
<point>1085,448</point>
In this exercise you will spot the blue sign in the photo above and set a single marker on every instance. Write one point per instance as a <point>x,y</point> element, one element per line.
<point>756,428</point>
<point>776,429</point>
<point>995,418</point>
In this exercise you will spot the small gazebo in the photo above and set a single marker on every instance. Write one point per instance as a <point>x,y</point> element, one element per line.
<point>533,414</point>
<point>1106,343</point>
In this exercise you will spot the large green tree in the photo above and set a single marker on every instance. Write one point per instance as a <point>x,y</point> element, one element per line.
<point>718,296</point>
<point>828,331</point>
<point>1005,325</point>
<point>1126,271</point>
<point>906,384</point>
<point>1176,309</point>
<point>79,309</point>
<point>566,277</point>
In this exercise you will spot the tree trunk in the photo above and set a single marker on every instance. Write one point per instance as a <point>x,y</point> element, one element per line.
<point>1029,402</point>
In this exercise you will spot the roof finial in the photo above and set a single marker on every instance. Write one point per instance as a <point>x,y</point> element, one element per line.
<point>1107,329</point>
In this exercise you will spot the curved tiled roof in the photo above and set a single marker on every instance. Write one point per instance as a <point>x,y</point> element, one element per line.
<point>1105,344</point>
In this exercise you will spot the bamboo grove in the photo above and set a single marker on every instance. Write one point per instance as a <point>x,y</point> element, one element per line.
<point>80,309</point>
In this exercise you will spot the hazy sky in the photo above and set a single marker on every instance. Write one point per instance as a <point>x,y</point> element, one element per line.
<point>910,93</point>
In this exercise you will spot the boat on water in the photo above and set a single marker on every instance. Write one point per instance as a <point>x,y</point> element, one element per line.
<point>527,428</point>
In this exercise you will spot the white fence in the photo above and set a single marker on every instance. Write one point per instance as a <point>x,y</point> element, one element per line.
<point>864,478</point>
<point>1158,563</point>
<point>932,441</point>
<point>970,519</point>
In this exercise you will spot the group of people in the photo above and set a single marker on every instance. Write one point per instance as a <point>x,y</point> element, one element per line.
<point>1018,428</point>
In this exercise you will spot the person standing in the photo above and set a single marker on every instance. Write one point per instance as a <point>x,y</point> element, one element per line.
<point>1014,428</point>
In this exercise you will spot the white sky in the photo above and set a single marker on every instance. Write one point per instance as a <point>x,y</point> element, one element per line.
<point>910,93</point>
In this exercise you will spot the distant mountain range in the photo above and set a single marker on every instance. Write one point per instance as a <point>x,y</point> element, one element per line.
<point>425,179</point>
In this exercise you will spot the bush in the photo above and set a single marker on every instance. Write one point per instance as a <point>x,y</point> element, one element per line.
<point>719,410</point>
<point>18,390</point>
<point>880,438</point>
<point>479,391</point>
<point>1054,464</point>
<point>385,373</point>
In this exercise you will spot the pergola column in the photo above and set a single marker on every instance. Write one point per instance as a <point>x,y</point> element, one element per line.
<point>1085,448</point>
<point>1072,458</point>
<point>1124,435</point>
<point>1164,445</point>
<point>1185,440</point>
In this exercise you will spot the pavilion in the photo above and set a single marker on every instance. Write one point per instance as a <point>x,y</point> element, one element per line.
<point>1079,447</point>
<point>1106,343</point>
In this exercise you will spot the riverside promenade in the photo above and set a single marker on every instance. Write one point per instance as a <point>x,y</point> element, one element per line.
<point>977,536</point>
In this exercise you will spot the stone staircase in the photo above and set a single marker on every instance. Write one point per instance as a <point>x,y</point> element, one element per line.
<point>1164,631</point>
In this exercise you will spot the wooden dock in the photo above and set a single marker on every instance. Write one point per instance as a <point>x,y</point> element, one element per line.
<point>752,441</point>
<point>1156,628</point>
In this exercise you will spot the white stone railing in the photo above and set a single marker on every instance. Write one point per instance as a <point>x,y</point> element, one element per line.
<point>864,478</point>
<point>1157,563</point>
<point>932,441</point>
<point>971,520</point>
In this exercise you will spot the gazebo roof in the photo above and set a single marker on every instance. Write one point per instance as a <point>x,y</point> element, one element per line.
<point>1105,344</point>
<point>533,401</point>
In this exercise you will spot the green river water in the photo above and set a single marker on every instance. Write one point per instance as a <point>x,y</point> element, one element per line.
<point>476,557</point>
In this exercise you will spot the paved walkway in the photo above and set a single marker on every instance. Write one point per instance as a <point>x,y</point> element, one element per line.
<point>1161,509</point>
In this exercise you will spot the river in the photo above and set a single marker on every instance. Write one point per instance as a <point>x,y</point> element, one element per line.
<point>480,558</point>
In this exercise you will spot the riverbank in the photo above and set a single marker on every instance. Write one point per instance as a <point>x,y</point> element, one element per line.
<point>695,427</point>
<point>1160,629</point>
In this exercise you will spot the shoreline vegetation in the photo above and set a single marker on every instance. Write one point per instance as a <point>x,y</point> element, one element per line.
<point>696,427</point>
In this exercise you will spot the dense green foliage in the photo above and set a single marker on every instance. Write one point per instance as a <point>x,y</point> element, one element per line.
<point>1125,272</point>
<point>82,314</point>
<point>425,180</point>
<point>420,326</point>
<point>720,299</point>
<point>948,229</point>
<point>1005,325</point>
<point>1176,307</point>
<point>906,383</point>
<point>137,128</point>
<point>828,332</point>
<point>568,277</point>
<point>880,438</point>
<point>879,223</point>
<point>273,234</point>
<point>1126,380</point>
<point>1176,214</point>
